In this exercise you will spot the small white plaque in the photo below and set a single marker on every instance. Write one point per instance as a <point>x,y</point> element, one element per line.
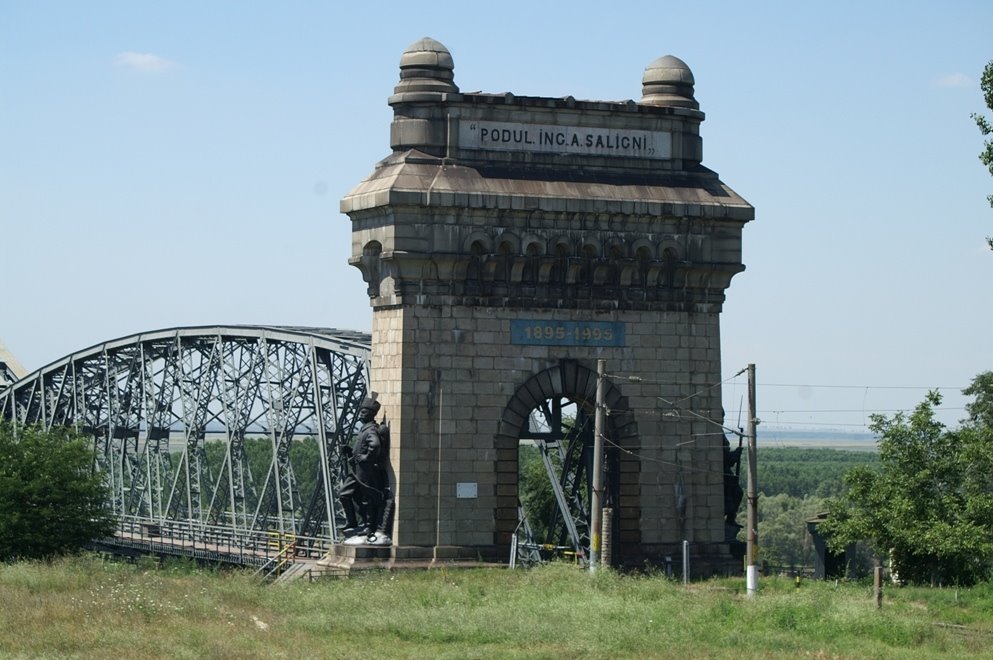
<point>467,490</point>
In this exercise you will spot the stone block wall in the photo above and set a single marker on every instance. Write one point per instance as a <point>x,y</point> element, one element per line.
<point>448,374</point>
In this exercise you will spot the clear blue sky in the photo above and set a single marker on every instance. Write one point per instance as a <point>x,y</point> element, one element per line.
<point>181,163</point>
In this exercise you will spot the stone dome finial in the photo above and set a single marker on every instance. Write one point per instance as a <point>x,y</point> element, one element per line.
<point>426,66</point>
<point>668,81</point>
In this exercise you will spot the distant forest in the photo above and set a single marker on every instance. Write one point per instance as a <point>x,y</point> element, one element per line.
<point>805,472</point>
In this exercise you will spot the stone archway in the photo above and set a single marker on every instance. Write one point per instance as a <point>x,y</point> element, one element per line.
<point>577,383</point>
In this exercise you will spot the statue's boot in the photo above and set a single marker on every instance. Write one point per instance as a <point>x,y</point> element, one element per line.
<point>372,522</point>
<point>351,523</point>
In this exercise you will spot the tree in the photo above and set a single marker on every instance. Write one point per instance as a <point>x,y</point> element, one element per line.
<point>52,501</point>
<point>929,504</point>
<point>535,492</point>
<point>783,529</point>
<point>981,410</point>
<point>985,127</point>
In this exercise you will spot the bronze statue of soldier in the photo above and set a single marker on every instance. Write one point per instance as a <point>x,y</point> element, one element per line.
<point>365,494</point>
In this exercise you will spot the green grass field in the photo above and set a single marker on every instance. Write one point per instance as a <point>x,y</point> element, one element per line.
<point>88,608</point>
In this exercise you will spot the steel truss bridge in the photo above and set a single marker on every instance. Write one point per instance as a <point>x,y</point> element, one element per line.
<point>225,443</point>
<point>213,440</point>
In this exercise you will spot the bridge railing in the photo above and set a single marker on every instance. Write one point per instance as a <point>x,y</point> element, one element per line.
<point>215,542</point>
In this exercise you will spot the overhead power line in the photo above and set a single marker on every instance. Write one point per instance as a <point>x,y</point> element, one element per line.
<point>859,410</point>
<point>706,388</point>
<point>780,422</point>
<point>864,387</point>
<point>642,457</point>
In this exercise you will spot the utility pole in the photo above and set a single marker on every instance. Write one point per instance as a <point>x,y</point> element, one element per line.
<point>599,426</point>
<point>751,553</point>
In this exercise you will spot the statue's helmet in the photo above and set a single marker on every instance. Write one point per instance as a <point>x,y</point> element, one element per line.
<point>370,403</point>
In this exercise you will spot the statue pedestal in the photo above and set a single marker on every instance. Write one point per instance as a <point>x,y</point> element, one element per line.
<point>345,559</point>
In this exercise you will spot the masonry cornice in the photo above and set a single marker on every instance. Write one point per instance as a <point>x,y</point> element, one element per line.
<point>415,183</point>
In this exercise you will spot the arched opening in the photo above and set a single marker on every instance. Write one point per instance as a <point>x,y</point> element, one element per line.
<point>670,261</point>
<point>561,265</point>
<point>474,271</point>
<point>548,430</point>
<point>589,255</point>
<point>531,263</point>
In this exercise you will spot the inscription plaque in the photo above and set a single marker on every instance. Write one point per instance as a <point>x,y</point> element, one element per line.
<point>549,138</point>
<point>566,333</point>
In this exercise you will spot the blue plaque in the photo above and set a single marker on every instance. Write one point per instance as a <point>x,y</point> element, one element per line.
<point>567,333</point>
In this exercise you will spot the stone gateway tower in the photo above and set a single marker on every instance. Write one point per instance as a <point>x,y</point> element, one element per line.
<point>507,243</point>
